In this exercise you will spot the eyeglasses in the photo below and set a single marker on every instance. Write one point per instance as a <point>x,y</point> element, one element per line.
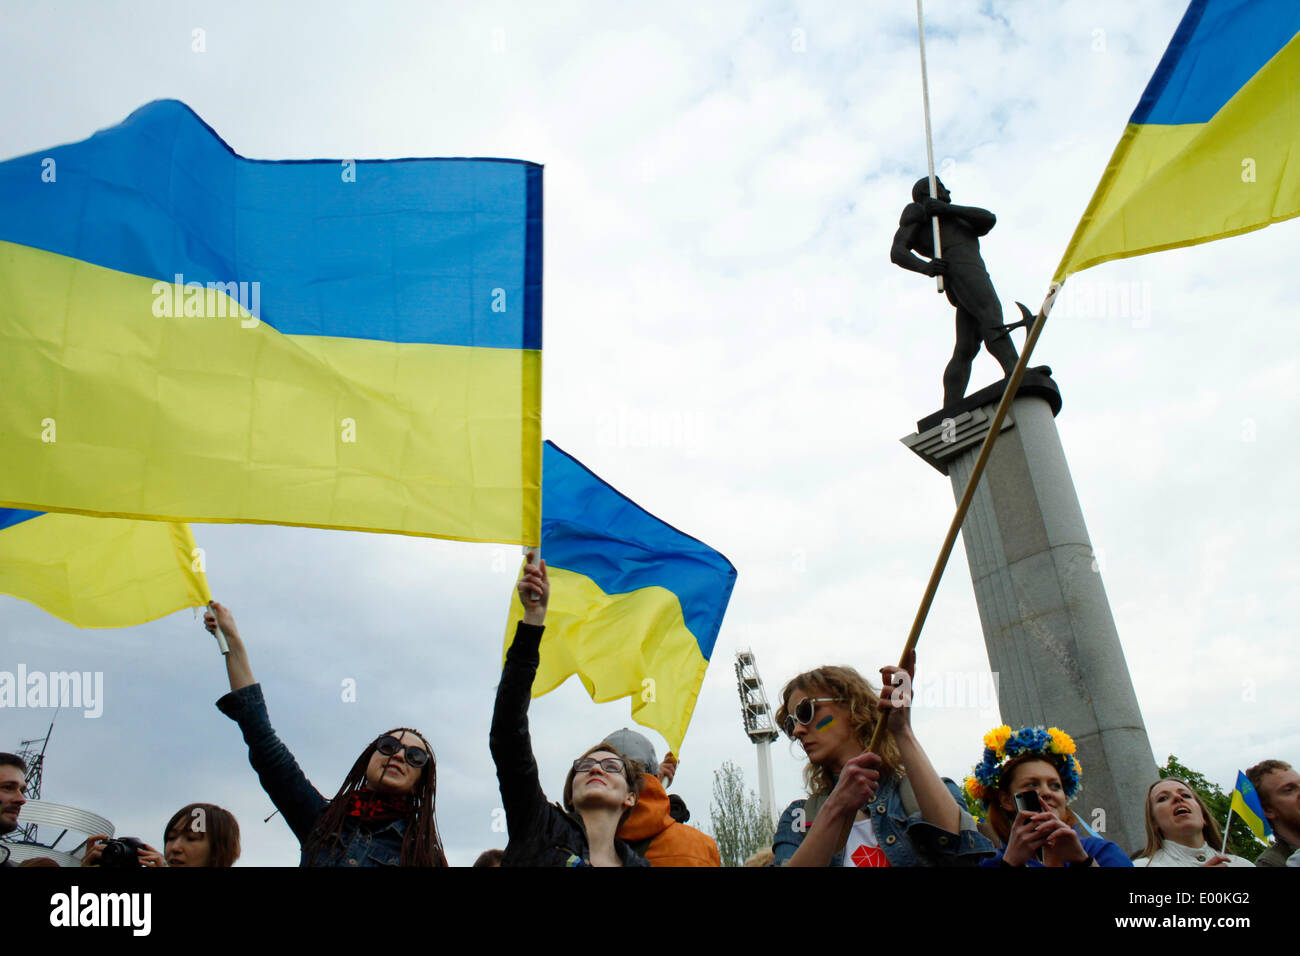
<point>607,764</point>
<point>803,713</point>
<point>388,745</point>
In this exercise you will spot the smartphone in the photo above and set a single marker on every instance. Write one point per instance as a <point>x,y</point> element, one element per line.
<point>1027,802</point>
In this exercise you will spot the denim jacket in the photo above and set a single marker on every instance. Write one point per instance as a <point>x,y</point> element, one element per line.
<point>905,840</point>
<point>293,795</point>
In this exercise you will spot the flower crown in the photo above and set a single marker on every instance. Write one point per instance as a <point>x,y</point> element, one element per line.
<point>1002,745</point>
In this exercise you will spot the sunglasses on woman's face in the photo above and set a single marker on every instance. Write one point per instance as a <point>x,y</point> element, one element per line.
<point>607,764</point>
<point>803,713</point>
<point>388,745</point>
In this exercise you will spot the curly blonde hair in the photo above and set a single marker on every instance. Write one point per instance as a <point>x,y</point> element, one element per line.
<point>861,701</point>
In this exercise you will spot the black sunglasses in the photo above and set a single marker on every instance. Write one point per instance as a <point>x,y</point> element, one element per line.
<point>607,764</point>
<point>388,745</point>
<point>803,713</point>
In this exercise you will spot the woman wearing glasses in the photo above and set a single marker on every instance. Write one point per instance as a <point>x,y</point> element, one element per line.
<point>382,815</point>
<point>867,809</point>
<point>600,789</point>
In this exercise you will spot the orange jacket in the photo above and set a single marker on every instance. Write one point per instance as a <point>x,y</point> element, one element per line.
<point>671,843</point>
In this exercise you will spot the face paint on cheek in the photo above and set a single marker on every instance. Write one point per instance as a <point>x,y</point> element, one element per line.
<point>824,722</point>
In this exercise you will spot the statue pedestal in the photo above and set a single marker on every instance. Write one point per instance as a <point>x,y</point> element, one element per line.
<point>1047,624</point>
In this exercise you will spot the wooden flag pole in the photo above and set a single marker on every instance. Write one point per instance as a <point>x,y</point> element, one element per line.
<point>1013,384</point>
<point>929,141</point>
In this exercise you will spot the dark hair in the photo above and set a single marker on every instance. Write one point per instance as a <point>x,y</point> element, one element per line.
<point>921,188</point>
<point>631,773</point>
<point>220,825</point>
<point>860,699</point>
<point>1000,819</point>
<point>421,845</point>
<point>1261,770</point>
<point>13,760</point>
<point>490,858</point>
<point>1210,832</point>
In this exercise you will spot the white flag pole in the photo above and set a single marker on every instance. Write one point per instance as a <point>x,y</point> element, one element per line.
<point>929,140</point>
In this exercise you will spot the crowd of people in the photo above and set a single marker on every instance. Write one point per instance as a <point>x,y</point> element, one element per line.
<point>887,807</point>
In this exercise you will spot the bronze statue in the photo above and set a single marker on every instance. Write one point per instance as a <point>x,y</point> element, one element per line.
<point>965,278</point>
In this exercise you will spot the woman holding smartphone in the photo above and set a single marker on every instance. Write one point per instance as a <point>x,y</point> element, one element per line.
<point>1026,780</point>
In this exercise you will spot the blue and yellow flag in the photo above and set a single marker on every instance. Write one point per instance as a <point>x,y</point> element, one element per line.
<point>189,335</point>
<point>635,605</point>
<point>1213,148</point>
<point>1245,804</point>
<point>100,572</point>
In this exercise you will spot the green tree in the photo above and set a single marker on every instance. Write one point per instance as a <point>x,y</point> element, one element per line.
<point>1241,841</point>
<point>737,821</point>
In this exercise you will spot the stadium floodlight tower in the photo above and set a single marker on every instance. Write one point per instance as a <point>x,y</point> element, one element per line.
<point>759,724</point>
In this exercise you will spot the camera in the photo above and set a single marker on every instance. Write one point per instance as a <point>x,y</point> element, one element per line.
<point>121,853</point>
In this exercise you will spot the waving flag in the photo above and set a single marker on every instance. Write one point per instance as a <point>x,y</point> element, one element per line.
<point>635,605</point>
<point>1213,148</point>
<point>1245,803</point>
<point>186,334</point>
<point>100,572</point>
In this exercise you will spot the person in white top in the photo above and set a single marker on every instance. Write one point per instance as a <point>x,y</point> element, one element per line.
<point>1180,829</point>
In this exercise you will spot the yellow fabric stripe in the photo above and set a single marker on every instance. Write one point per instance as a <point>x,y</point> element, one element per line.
<point>620,645</point>
<point>1171,186</point>
<point>1242,809</point>
<point>191,418</point>
<point>102,572</point>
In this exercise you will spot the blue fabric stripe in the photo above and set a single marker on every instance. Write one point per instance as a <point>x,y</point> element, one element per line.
<point>1217,48</point>
<point>12,516</point>
<point>412,251</point>
<point>592,529</point>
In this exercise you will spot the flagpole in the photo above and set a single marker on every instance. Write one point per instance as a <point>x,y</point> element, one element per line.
<point>1224,848</point>
<point>1008,395</point>
<point>929,141</point>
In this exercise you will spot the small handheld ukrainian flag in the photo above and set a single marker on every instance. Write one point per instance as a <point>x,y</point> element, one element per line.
<point>1245,804</point>
<point>636,605</point>
<point>1211,149</point>
<point>100,572</point>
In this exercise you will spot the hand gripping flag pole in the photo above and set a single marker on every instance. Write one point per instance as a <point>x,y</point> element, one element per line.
<point>929,140</point>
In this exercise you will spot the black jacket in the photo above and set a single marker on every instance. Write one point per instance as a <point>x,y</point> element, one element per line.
<point>541,833</point>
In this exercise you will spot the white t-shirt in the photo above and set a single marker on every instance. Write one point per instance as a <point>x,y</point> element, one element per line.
<point>862,848</point>
<point>1175,854</point>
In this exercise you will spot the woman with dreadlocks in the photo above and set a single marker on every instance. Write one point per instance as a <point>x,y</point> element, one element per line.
<point>382,815</point>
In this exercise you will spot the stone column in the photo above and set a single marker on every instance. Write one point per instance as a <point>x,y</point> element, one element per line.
<point>1047,624</point>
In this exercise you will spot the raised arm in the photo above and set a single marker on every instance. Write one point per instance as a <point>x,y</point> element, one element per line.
<point>932,794</point>
<point>511,746</point>
<point>277,770</point>
<point>238,669</point>
<point>981,221</point>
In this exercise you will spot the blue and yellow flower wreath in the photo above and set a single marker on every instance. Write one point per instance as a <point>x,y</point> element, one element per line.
<point>1002,745</point>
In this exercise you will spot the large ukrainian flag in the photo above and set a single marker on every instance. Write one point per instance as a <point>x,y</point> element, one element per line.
<point>370,360</point>
<point>100,572</point>
<point>635,605</point>
<point>1213,148</point>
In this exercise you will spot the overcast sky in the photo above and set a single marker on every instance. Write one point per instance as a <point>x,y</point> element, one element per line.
<point>727,343</point>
